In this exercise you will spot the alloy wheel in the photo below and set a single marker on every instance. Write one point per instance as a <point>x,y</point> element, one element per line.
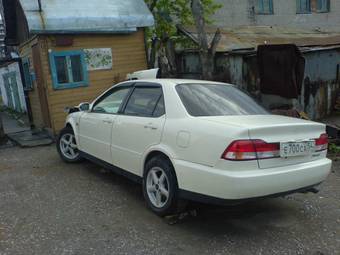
<point>68,146</point>
<point>157,187</point>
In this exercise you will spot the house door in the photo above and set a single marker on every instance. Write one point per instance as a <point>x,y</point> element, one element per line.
<point>12,91</point>
<point>10,103</point>
<point>41,85</point>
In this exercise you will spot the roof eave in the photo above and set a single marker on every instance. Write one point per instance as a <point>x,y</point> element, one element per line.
<point>85,31</point>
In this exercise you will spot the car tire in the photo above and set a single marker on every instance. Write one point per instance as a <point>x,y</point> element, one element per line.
<point>160,188</point>
<point>67,146</point>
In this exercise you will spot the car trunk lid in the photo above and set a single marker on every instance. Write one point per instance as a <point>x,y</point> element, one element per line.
<point>277,129</point>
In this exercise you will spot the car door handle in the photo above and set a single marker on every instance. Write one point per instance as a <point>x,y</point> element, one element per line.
<point>107,121</point>
<point>150,127</point>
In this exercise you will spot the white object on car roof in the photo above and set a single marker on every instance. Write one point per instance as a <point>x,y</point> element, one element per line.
<point>143,74</point>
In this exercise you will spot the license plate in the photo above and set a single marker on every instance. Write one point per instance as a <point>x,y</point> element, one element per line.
<point>292,149</point>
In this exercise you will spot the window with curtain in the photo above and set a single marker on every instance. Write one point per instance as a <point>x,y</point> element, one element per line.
<point>68,69</point>
<point>303,6</point>
<point>323,5</point>
<point>265,7</point>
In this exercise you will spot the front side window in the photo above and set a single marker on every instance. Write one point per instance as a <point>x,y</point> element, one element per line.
<point>145,102</point>
<point>303,6</point>
<point>323,5</point>
<point>265,7</point>
<point>217,100</point>
<point>68,69</point>
<point>111,102</point>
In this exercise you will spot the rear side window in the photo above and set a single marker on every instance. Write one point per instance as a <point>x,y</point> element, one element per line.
<point>143,101</point>
<point>217,100</point>
<point>160,108</point>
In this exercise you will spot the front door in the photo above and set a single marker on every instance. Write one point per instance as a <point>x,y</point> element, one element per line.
<point>8,89</point>
<point>13,83</point>
<point>95,127</point>
<point>12,91</point>
<point>138,127</point>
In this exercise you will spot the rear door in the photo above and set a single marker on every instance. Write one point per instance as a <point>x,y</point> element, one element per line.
<point>138,127</point>
<point>95,127</point>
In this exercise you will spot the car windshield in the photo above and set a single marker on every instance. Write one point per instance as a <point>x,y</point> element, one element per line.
<point>217,100</point>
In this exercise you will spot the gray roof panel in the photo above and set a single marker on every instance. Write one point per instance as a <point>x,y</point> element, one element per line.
<point>93,16</point>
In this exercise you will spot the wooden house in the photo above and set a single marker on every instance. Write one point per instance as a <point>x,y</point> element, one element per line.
<point>73,50</point>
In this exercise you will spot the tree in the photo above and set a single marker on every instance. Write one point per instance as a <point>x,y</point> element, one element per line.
<point>207,53</point>
<point>163,37</point>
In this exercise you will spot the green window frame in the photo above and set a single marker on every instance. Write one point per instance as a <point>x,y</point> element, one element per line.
<point>303,7</point>
<point>68,69</point>
<point>26,67</point>
<point>323,6</point>
<point>265,7</point>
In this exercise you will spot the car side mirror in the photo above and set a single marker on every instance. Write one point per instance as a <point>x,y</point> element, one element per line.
<point>84,107</point>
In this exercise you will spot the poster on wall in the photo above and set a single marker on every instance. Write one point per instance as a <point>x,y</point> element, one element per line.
<point>98,59</point>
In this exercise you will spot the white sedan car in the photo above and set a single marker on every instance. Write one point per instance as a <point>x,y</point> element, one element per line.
<point>195,140</point>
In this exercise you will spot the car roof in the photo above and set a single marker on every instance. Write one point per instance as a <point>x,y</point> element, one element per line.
<point>175,82</point>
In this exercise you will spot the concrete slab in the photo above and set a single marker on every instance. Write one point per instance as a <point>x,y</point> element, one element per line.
<point>19,133</point>
<point>12,125</point>
<point>30,139</point>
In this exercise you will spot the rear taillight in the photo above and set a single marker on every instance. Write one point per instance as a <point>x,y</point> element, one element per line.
<point>321,143</point>
<point>251,150</point>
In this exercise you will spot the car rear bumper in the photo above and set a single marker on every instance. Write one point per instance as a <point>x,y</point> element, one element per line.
<point>196,180</point>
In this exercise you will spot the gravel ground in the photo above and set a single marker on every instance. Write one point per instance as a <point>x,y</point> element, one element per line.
<point>50,207</point>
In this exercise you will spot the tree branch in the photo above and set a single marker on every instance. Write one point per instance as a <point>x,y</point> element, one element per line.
<point>215,42</point>
<point>187,33</point>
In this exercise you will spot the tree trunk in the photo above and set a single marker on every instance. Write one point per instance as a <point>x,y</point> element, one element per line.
<point>207,54</point>
<point>170,54</point>
<point>152,54</point>
<point>163,63</point>
<point>167,60</point>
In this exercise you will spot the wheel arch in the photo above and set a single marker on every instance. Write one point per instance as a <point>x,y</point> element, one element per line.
<point>71,124</point>
<point>157,152</point>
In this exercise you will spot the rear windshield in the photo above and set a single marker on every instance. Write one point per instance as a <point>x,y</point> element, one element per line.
<point>217,100</point>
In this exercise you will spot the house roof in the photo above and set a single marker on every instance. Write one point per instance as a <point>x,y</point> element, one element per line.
<point>248,38</point>
<point>87,16</point>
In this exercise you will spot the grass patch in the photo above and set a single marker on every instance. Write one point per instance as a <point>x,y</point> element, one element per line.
<point>334,148</point>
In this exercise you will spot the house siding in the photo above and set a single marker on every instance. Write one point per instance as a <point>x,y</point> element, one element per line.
<point>128,55</point>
